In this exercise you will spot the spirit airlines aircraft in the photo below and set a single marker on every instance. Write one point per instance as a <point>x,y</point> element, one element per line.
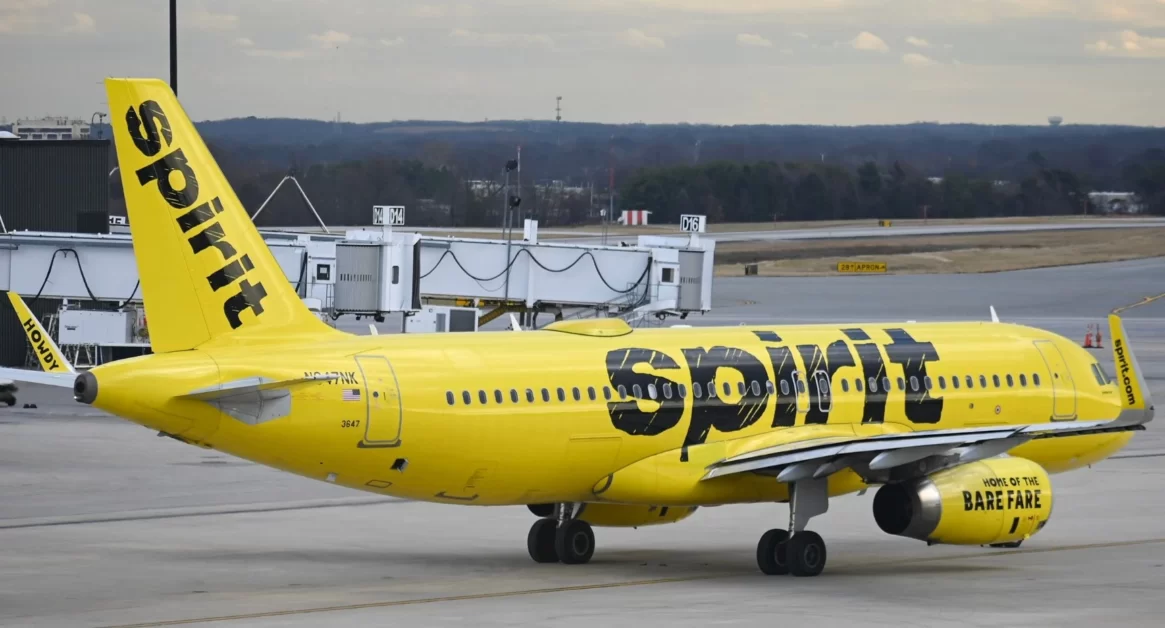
<point>591,423</point>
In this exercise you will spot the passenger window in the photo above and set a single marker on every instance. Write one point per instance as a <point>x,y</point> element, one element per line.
<point>591,392</point>
<point>546,395</point>
<point>637,391</point>
<point>942,382</point>
<point>498,396</point>
<point>607,393</point>
<point>577,395</point>
<point>697,390</point>
<point>622,392</point>
<point>449,397</point>
<point>873,385</point>
<point>858,384</point>
<point>784,386</point>
<point>1036,379</point>
<point>514,395</point>
<point>800,386</point>
<point>886,384</point>
<point>995,380</point>
<point>982,381</point>
<point>929,383</point>
<point>740,389</point>
<point>1010,381</point>
<point>465,397</point>
<point>683,390</point>
<point>1023,380</point>
<point>482,396</point>
<point>561,395</point>
<point>651,391</point>
<point>955,382</point>
<point>913,383</point>
<point>845,385</point>
<point>530,395</point>
<point>755,388</point>
<point>728,389</point>
<point>772,390</point>
<point>712,390</point>
<point>901,384</point>
<point>667,390</point>
<point>970,382</point>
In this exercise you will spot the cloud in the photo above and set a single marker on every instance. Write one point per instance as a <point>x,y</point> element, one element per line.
<point>330,39</point>
<point>917,42</point>
<point>1100,46</point>
<point>915,60</point>
<point>463,37</point>
<point>244,42</point>
<point>869,42</point>
<point>638,39</point>
<point>204,20</point>
<point>755,41</point>
<point>82,23</point>
<point>393,42</point>
<point>1132,44</point>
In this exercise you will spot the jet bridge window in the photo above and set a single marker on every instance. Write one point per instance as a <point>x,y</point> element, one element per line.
<point>449,397</point>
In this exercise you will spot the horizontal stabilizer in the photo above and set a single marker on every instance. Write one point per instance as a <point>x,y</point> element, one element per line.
<point>59,380</point>
<point>254,400</point>
<point>251,385</point>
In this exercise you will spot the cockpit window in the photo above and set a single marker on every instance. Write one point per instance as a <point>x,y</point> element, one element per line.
<point>1101,377</point>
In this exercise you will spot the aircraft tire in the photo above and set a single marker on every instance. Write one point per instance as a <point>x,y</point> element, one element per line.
<point>771,554</point>
<point>806,554</point>
<point>540,541</point>
<point>574,542</point>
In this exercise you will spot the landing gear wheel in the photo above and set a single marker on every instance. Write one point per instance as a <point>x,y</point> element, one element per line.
<point>806,553</point>
<point>540,541</point>
<point>1011,545</point>
<point>574,542</point>
<point>771,554</point>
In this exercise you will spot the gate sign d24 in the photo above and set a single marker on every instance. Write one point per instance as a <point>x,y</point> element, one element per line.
<point>692,223</point>
<point>390,215</point>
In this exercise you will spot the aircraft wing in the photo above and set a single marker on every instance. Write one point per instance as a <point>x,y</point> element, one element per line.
<point>61,380</point>
<point>878,455</point>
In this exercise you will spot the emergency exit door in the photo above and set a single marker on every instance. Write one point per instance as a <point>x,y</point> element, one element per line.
<point>384,415</point>
<point>1063,388</point>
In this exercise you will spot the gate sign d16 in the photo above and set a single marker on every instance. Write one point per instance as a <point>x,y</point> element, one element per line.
<point>391,215</point>
<point>692,223</point>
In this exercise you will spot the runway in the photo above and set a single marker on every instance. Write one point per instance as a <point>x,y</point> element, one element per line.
<point>102,523</point>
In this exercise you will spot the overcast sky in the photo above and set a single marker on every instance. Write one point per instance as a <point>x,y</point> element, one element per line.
<point>714,61</point>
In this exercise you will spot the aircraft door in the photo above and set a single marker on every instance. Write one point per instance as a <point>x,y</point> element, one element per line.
<point>801,392</point>
<point>384,418</point>
<point>1063,388</point>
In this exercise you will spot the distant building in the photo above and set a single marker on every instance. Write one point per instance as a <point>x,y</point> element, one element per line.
<point>51,129</point>
<point>1115,202</point>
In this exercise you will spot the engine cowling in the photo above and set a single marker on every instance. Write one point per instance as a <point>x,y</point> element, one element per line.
<point>629,516</point>
<point>1001,500</point>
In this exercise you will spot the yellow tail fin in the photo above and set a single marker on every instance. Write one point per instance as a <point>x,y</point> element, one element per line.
<point>205,270</point>
<point>1134,393</point>
<point>50,356</point>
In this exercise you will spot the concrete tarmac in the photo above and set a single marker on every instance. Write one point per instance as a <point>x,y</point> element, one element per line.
<point>102,523</point>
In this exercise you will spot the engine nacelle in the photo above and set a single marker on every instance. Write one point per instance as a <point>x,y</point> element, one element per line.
<point>628,516</point>
<point>1000,500</point>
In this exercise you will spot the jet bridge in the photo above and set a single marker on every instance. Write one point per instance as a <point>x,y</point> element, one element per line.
<point>378,271</point>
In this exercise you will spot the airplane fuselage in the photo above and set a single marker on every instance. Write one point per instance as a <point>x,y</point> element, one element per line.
<point>538,417</point>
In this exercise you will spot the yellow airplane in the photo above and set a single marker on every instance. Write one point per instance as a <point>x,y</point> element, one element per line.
<point>51,359</point>
<point>589,422</point>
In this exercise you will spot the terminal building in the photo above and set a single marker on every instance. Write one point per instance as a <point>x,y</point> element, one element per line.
<point>51,129</point>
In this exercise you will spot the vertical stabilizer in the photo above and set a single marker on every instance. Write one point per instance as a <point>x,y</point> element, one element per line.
<point>205,270</point>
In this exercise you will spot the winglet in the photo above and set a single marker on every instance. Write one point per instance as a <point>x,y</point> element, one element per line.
<point>514,322</point>
<point>994,316</point>
<point>47,352</point>
<point>1136,401</point>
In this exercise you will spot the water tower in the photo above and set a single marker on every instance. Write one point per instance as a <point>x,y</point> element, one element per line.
<point>1055,120</point>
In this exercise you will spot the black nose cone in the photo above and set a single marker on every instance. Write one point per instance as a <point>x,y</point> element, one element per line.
<point>85,388</point>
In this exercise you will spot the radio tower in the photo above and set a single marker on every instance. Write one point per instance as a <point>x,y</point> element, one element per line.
<point>558,110</point>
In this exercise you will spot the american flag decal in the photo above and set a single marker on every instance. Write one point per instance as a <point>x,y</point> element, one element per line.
<point>351,394</point>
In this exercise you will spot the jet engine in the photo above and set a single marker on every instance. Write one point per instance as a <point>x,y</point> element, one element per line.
<point>989,502</point>
<point>627,516</point>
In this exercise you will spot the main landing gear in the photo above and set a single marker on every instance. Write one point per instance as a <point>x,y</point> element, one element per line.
<point>560,536</point>
<point>796,551</point>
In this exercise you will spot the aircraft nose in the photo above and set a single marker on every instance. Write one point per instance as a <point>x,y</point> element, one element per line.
<point>85,388</point>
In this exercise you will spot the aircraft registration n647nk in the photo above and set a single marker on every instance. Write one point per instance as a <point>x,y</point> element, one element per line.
<point>591,423</point>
